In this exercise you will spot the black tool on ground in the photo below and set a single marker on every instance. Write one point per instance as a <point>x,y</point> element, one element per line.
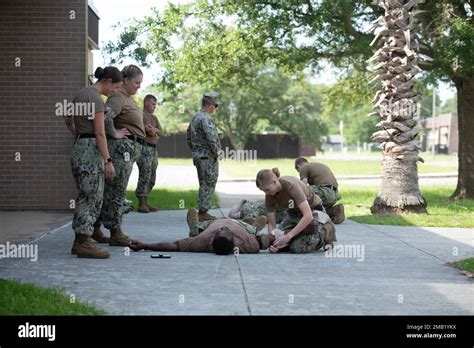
<point>161,256</point>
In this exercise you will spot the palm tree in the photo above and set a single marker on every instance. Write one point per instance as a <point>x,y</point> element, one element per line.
<point>395,64</point>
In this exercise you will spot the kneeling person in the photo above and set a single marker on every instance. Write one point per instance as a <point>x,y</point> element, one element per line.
<point>322,181</point>
<point>306,226</point>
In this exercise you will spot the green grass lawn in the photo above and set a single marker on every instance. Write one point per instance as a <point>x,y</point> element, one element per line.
<point>347,167</point>
<point>465,265</point>
<point>443,212</point>
<point>28,299</point>
<point>171,198</point>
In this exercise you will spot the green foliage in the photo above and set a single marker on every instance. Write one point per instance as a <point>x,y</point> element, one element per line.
<point>450,105</point>
<point>447,28</point>
<point>28,299</point>
<point>349,100</point>
<point>171,198</point>
<point>199,52</point>
<point>302,33</point>
<point>465,265</point>
<point>443,212</point>
<point>369,164</point>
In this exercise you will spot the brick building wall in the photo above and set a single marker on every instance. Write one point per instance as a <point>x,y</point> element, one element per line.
<point>43,52</point>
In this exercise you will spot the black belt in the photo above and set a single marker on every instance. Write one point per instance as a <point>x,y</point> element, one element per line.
<point>137,139</point>
<point>85,135</point>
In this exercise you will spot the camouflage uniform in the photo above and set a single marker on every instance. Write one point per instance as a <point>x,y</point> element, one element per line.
<point>147,164</point>
<point>205,145</point>
<point>312,238</point>
<point>88,171</point>
<point>328,195</point>
<point>254,209</point>
<point>124,153</point>
<point>201,226</point>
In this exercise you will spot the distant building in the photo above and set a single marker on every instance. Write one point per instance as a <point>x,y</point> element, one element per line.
<point>442,132</point>
<point>332,142</point>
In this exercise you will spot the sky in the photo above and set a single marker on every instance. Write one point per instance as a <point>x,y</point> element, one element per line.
<point>113,11</point>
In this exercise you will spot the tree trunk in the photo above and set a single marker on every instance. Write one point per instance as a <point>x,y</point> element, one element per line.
<point>396,64</point>
<point>465,90</point>
<point>399,191</point>
<point>236,144</point>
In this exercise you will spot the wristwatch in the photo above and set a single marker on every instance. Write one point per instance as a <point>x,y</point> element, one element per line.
<point>108,160</point>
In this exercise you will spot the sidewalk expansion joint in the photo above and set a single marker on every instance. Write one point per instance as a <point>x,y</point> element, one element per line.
<point>246,297</point>
<point>243,285</point>
<point>412,246</point>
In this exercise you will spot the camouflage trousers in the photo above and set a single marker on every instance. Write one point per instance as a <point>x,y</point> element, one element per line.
<point>311,238</point>
<point>147,164</point>
<point>254,209</point>
<point>328,195</point>
<point>124,153</point>
<point>88,171</point>
<point>208,172</point>
<point>201,226</point>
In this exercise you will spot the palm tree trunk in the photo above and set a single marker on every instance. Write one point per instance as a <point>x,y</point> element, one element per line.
<point>395,103</point>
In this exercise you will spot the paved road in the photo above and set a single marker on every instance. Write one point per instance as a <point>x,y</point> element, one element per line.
<point>385,270</point>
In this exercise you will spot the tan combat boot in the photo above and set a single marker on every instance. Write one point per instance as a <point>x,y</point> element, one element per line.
<point>75,244</point>
<point>206,217</point>
<point>142,207</point>
<point>150,208</point>
<point>336,213</point>
<point>260,223</point>
<point>329,235</point>
<point>249,221</point>
<point>84,248</point>
<point>192,218</point>
<point>118,238</point>
<point>99,236</point>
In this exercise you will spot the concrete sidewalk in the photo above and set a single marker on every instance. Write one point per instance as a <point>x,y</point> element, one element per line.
<point>397,270</point>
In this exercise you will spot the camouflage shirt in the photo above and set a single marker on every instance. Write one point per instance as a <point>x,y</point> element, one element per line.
<point>202,136</point>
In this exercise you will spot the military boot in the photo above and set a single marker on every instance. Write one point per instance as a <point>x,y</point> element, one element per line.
<point>206,217</point>
<point>150,208</point>
<point>142,207</point>
<point>260,223</point>
<point>192,218</point>
<point>329,235</point>
<point>84,248</point>
<point>336,213</point>
<point>118,238</point>
<point>249,221</point>
<point>75,244</point>
<point>99,236</point>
